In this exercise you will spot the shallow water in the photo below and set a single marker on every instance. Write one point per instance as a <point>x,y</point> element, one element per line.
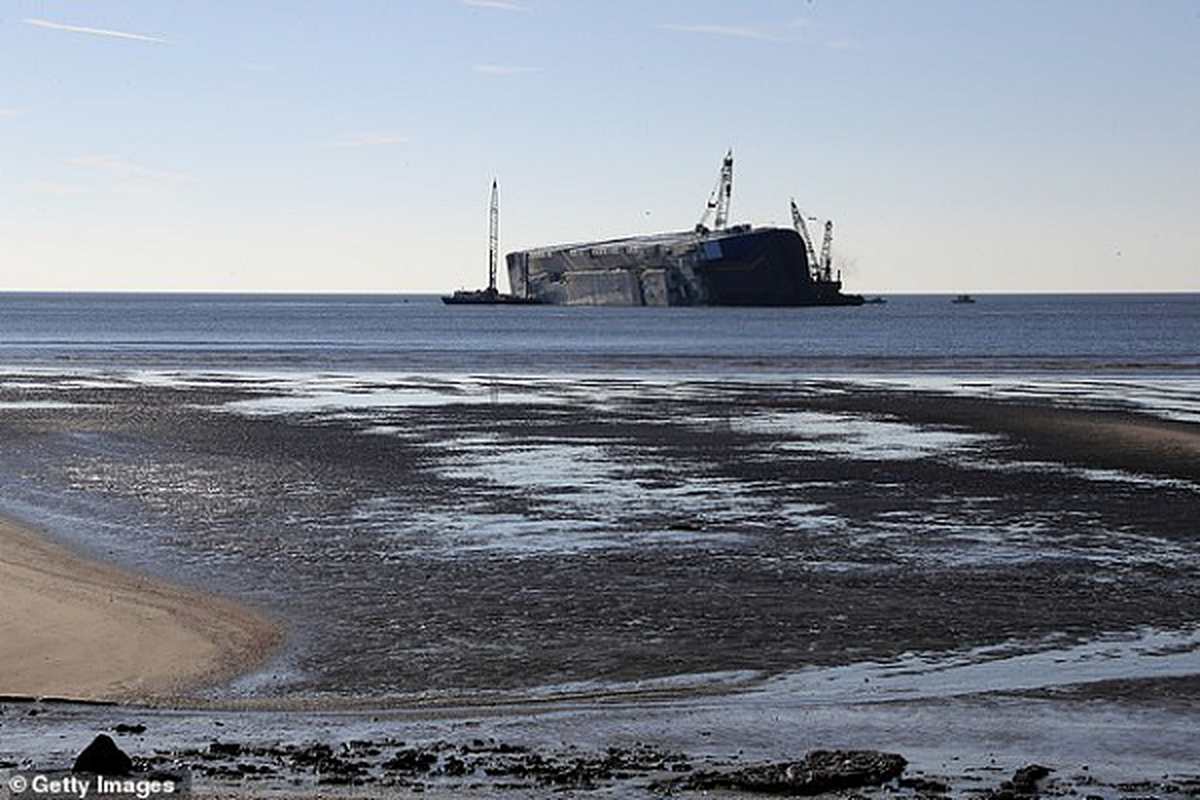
<point>1007,668</point>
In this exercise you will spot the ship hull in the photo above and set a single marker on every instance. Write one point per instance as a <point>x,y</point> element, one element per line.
<point>739,266</point>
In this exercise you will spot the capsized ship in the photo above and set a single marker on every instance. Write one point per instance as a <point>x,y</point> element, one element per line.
<point>724,265</point>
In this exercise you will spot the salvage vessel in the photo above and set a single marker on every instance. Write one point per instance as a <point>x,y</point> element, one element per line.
<point>491,296</point>
<point>721,265</point>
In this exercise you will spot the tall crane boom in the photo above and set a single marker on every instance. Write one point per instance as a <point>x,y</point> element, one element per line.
<point>493,237</point>
<point>718,201</point>
<point>827,252</point>
<point>802,229</point>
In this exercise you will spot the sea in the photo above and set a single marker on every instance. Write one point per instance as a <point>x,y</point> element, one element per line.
<point>1142,350</point>
<point>366,361</point>
<point>1153,336</point>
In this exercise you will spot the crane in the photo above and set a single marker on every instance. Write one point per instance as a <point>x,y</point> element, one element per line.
<point>718,201</point>
<point>802,229</point>
<point>826,252</point>
<point>492,295</point>
<point>493,237</point>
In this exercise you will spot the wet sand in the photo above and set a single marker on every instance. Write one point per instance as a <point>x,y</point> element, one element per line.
<point>75,628</point>
<point>657,532</point>
<point>1075,558</point>
<point>1060,432</point>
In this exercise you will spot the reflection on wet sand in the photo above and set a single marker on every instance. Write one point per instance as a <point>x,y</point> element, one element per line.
<point>460,540</point>
<point>541,532</point>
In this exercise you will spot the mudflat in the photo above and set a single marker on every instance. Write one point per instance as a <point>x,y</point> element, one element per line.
<point>595,533</point>
<point>710,567</point>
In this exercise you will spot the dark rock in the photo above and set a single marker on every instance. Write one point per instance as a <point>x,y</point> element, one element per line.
<point>314,757</point>
<point>455,767</point>
<point>339,772</point>
<point>1025,783</point>
<point>820,771</point>
<point>134,730</point>
<point>1026,779</point>
<point>227,749</point>
<point>411,761</point>
<point>103,757</point>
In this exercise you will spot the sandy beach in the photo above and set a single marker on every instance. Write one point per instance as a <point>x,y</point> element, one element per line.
<point>75,628</point>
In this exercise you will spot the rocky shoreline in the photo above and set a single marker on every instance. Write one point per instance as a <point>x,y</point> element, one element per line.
<point>492,768</point>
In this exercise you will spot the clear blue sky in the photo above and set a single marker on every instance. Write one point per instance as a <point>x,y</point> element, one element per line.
<point>349,145</point>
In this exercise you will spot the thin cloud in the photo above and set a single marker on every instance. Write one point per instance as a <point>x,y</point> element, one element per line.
<point>842,45</point>
<point>112,34</point>
<point>502,69</point>
<point>733,31</point>
<point>120,168</point>
<point>9,112</point>
<point>498,4</point>
<point>45,188</point>
<point>366,140</point>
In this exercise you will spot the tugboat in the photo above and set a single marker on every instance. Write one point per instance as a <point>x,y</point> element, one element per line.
<point>491,296</point>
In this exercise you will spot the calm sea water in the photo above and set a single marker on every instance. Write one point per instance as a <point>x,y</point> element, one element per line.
<point>1050,336</point>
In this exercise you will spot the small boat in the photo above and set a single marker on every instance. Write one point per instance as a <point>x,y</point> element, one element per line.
<point>964,298</point>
